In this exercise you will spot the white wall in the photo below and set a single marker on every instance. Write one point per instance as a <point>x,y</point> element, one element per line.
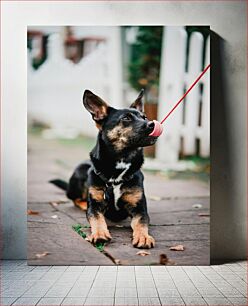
<point>228,19</point>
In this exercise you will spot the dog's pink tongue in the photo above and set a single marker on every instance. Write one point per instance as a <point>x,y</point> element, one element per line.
<point>158,129</point>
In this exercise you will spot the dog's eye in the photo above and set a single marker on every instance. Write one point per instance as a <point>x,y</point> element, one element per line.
<point>127,117</point>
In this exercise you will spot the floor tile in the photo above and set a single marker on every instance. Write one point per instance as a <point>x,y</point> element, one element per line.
<point>75,269</point>
<point>147,292</point>
<point>50,301</point>
<point>194,301</point>
<point>102,292</point>
<point>121,301</point>
<point>78,291</point>
<point>58,268</point>
<point>217,301</point>
<point>230,292</point>
<point>27,301</point>
<point>239,301</point>
<point>165,292</point>
<point>39,289</point>
<point>166,301</point>
<point>58,291</point>
<point>149,301</point>
<point>126,283</point>
<point>73,301</point>
<point>99,301</point>
<point>7,301</point>
<point>126,292</point>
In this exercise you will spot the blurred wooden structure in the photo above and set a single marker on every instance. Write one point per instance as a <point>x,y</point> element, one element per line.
<point>187,130</point>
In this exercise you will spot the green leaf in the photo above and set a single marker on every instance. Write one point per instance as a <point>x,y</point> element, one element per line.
<point>100,246</point>
<point>78,229</point>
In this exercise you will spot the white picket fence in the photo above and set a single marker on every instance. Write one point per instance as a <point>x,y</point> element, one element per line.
<point>55,90</point>
<point>190,122</point>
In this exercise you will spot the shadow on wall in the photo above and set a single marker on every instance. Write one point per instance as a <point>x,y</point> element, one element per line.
<point>223,226</point>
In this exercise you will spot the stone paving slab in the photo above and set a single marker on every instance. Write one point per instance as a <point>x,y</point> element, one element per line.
<point>173,218</point>
<point>174,221</point>
<point>63,244</point>
<point>197,250</point>
<point>159,186</point>
<point>165,211</point>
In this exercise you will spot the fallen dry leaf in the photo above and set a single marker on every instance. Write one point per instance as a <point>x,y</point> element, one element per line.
<point>164,260</point>
<point>32,212</point>
<point>197,206</point>
<point>54,204</point>
<point>143,253</point>
<point>42,254</point>
<point>204,215</point>
<point>61,201</point>
<point>155,198</point>
<point>179,247</point>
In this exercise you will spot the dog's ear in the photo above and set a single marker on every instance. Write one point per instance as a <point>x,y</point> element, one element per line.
<point>95,105</point>
<point>138,103</point>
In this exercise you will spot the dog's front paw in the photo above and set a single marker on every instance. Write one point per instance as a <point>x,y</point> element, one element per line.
<point>143,241</point>
<point>100,236</point>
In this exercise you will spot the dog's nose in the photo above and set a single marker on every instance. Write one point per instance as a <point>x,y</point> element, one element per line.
<point>151,124</point>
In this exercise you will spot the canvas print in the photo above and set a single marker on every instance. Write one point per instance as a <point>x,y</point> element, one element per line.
<point>118,145</point>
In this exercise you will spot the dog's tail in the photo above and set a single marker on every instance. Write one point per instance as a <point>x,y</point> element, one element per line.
<point>60,183</point>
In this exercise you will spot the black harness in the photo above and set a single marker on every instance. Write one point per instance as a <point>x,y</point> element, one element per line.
<point>107,181</point>
<point>110,184</point>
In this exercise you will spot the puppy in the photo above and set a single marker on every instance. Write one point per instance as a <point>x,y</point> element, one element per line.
<point>112,181</point>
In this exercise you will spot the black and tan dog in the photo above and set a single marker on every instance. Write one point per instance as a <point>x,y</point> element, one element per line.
<point>112,181</point>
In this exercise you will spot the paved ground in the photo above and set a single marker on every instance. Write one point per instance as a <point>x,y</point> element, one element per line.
<point>171,203</point>
<point>118,285</point>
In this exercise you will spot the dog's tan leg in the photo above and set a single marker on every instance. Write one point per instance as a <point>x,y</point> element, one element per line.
<point>141,238</point>
<point>99,229</point>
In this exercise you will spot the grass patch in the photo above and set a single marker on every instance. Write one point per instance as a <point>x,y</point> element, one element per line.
<point>188,175</point>
<point>81,141</point>
<point>200,170</point>
<point>78,228</point>
<point>35,130</point>
<point>100,246</point>
<point>84,141</point>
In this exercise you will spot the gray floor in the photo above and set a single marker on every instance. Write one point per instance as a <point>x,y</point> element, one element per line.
<point>118,285</point>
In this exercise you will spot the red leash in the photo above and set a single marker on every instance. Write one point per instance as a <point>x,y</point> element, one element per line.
<point>185,94</point>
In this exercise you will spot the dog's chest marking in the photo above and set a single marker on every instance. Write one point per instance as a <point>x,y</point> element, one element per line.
<point>120,165</point>
<point>117,194</point>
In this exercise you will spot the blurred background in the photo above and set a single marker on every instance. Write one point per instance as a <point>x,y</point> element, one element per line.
<point>115,63</point>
